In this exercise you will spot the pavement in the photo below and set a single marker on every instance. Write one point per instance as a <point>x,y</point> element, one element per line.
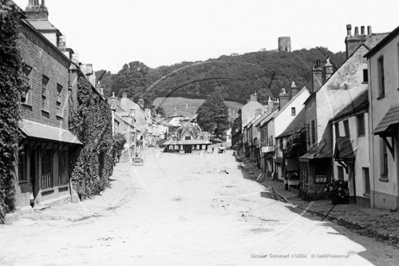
<point>111,198</point>
<point>382,225</point>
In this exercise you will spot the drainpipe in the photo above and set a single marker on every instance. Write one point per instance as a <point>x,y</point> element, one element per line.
<point>371,136</point>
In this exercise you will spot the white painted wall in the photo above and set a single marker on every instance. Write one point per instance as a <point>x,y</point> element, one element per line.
<point>378,109</point>
<point>284,118</point>
<point>360,146</point>
<point>344,86</point>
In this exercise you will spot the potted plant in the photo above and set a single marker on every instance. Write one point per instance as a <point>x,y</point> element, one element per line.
<point>338,191</point>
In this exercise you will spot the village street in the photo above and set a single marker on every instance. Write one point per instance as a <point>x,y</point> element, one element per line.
<point>180,210</point>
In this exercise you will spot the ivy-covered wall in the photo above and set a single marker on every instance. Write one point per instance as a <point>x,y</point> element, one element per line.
<point>91,165</point>
<point>10,94</point>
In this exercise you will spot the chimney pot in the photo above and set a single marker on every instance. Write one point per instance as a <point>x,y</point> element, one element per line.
<point>75,58</point>
<point>62,43</point>
<point>124,95</point>
<point>348,30</point>
<point>356,31</point>
<point>362,30</point>
<point>369,30</point>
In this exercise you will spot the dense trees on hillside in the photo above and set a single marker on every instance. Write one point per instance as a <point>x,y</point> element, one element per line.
<point>213,114</point>
<point>265,72</point>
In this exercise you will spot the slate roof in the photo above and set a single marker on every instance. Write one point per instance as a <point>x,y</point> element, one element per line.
<point>391,118</point>
<point>42,131</point>
<point>298,123</point>
<point>382,41</point>
<point>358,104</point>
<point>43,25</point>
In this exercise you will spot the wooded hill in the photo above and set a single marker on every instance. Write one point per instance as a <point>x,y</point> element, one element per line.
<point>265,72</point>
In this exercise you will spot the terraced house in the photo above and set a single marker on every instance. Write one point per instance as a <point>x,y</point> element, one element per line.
<point>383,63</point>
<point>43,155</point>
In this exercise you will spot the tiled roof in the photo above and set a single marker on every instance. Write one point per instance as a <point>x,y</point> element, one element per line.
<point>343,149</point>
<point>188,142</point>
<point>391,118</point>
<point>42,131</point>
<point>358,104</point>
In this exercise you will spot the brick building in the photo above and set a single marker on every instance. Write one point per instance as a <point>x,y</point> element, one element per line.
<point>43,155</point>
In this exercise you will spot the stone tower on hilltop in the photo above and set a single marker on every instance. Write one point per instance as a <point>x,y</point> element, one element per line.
<point>284,44</point>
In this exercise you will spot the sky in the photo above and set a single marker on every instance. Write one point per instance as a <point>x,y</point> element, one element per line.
<point>109,34</point>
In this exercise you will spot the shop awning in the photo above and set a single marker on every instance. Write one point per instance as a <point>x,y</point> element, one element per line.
<point>41,131</point>
<point>389,123</point>
<point>344,150</point>
<point>314,155</point>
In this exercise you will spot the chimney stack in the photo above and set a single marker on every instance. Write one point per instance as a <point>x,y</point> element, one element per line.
<point>328,69</point>
<point>270,105</point>
<point>317,77</point>
<point>124,95</point>
<point>141,103</point>
<point>62,43</point>
<point>294,89</point>
<point>284,98</point>
<point>352,42</point>
<point>254,97</point>
<point>348,30</point>
<point>75,58</point>
<point>369,32</point>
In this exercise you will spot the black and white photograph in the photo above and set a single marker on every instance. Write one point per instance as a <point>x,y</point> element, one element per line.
<point>188,132</point>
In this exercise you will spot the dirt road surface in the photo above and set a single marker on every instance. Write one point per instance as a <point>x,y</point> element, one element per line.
<point>181,210</point>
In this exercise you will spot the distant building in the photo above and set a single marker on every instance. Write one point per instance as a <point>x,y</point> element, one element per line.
<point>284,44</point>
<point>187,138</point>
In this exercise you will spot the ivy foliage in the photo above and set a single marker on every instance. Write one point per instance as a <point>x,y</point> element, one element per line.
<point>296,143</point>
<point>10,94</point>
<point>91,165</point>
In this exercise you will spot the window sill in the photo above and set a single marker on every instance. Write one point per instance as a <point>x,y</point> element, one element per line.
<point>46,111</point>
<point>23,182</point>
<point>366,195</point>
<point>384,179</point>
<point>364,82</point>
<point>59,116</point>
<point>380,97</point>
<point>360,136</point>
<point>27,105</point>
<point>47,191</point>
